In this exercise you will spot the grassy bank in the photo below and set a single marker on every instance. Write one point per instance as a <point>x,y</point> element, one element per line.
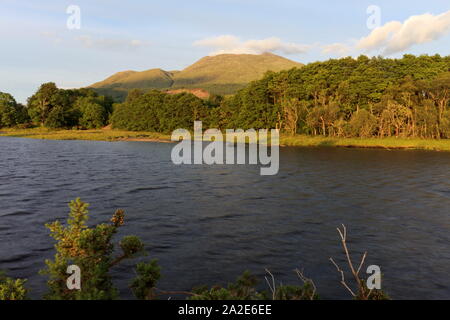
<point>380,143</point>
<point>97,135</point>
<point>294,141</point>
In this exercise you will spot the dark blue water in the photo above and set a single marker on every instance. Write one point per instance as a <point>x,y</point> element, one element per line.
<point>207,224</point>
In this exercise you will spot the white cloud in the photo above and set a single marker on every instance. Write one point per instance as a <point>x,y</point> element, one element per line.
<point>110,43</point>
<point>232,44</point>
<point>339,49</point>
<point>396,37</point>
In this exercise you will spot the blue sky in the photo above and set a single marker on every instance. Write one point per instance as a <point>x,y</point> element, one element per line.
<point>115,35</point>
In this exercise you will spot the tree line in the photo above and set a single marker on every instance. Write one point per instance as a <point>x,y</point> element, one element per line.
<point>53,107</point>
<point>348,97</point>
<point>161,112</point>
<point>362,97</point>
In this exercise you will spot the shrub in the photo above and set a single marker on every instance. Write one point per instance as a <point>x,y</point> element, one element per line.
<point>242,289</point>
<point>91,250</point>
<point>148,275</point>
<point>245,289</point>
<point>11,289</point>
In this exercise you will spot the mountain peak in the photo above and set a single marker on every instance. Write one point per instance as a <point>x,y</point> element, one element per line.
<point>220,74</point>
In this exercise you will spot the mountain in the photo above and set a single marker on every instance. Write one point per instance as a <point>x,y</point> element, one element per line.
<point>221,74</point>
<point>118,84</point>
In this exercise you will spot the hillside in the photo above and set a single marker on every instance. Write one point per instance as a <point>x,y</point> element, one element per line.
<point>221,74</point>
<point>118,84</point>
<point>227,73</point>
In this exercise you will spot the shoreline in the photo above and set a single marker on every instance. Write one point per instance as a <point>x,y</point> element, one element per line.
<point>390,143</point>
<point>112,135</point>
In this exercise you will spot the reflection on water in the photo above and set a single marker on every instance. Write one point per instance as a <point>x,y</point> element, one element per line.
<point>207,224</point>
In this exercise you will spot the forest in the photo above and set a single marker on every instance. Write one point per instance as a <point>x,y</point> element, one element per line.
<point>362,97</point>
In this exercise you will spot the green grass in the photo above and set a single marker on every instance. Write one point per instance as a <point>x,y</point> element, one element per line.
<point>97,135</point>
<point>285,140</point>
<point>153,78</point>
<point>381,143</point>
<point>231,69</point>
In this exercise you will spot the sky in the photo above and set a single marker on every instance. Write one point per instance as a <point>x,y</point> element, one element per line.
<point>78,42</point>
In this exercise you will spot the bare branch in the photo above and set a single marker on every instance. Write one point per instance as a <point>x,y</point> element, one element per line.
<point>355,272</point>
<point>343,278</point>
<point>305,281</point>
<point>343,235</point>
<point>273,286</point>
<point>362,263</point>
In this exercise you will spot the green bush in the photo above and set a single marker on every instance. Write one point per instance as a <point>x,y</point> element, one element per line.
<point>89,248</point>
<point>148,275</point>
<point>245,289</point>
<point>242,289</point>
<point>11,289</point>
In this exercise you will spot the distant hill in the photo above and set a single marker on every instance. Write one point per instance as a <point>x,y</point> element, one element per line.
<point>118,84</point>
<point>221,74</point>
<point>227,73</point>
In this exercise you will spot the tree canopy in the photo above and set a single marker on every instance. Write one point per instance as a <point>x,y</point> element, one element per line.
<point>57,108</point>
<point>11,112</point>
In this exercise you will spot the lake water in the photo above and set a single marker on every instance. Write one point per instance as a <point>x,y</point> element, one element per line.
<point>208,224</point>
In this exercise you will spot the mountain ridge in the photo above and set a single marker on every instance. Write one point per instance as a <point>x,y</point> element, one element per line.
<point>220,74</point>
